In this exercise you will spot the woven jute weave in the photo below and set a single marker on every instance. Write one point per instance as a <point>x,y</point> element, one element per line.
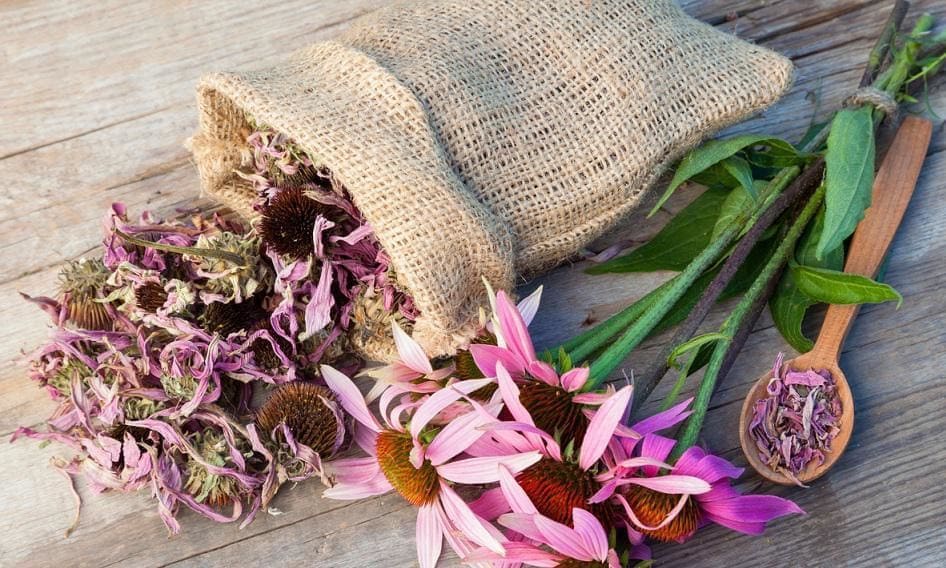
<point>490,138</point>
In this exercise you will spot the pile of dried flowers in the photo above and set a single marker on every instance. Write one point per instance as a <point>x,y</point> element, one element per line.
<point>795,424</point>
<point>159,351</point>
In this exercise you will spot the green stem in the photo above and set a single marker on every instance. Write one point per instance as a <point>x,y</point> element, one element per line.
<point>583,345</point>
<point>648,320</point>
<point>785,249</point>
<point>196,251</point>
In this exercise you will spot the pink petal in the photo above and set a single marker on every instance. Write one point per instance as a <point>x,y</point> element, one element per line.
<point>591,532</point>
<point>491,504</point>
<point>429,535</point>
<point>350,397</point>
<point>544,372</point>
<point>442,399</point>
<point>529,305</point>
<point>605,493</point>
<point>563,539</point>
<point>601,428</point>
<point>524,524</point>
<point>752,508</point>
<point>460,515</point>
<point>514,493</point>
<point>662,420</point>
<point>670,484</point>
<point>410,352</point>
<point>456,437</point>
<point>474,471</point>
<point>487,357</point>
<point>667,520</point>
<point>354,470</point>
<point>656,447</point>
<point>351,491</point>
<point>575,379</point>
<point>712,468</point>
<point>517,552</point>
<point>318,311</point>
<point>510,394</point>
<point>592,398</point>
<point>513,328</point>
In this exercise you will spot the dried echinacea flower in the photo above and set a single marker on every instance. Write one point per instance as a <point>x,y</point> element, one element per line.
<point>231,317</point>
<point>309,412</point>
<point>229,280</point>
<point>288,221</point>
<point>796,423</point>
<point>81,284</point>
<point>206,487</point>
<point>150,296</point>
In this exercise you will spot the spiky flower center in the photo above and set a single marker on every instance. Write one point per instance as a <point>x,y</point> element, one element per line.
<point>303,408</point>
<point>231,317</point>
<point>151,296</point>
<point>652,508</point>
<point>288,221</point>
<point>81,284</point>
<point>417,486</point>
<point>553,410</point>
<point>556,488</point>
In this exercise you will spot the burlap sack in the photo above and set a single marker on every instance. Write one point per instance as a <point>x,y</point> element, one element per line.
<point>490,138</point>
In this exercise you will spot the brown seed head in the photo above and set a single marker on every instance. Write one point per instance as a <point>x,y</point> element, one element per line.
<point>553,410</point>
<point>288,220</point>
<point>302,408</point>
<point>556,488</point>
<point>652,507</point>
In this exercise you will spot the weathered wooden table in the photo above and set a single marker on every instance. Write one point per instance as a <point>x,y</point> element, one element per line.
<point>96,99</point>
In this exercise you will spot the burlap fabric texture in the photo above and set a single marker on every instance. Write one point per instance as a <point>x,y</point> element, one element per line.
<point>490,138</point>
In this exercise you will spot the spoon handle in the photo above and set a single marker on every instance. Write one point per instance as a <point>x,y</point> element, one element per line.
<point>893,187</point>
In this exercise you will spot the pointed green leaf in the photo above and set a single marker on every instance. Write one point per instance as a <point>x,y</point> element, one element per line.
<point>849,175</point>
<point>709,154</point>
<point>742,172</point>
<point>788,304</point>
<point>833,287</point>
<point>684,237</point>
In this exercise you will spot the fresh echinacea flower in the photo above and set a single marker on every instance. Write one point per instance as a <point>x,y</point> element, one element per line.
<point>555,402</point>
<point>670,513</point>
<point>584,543</point>
<point>560,481</point>
<point>421,463</point>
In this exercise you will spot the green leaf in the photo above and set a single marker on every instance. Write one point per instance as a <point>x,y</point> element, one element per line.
<point>736,204</point>
<point>740,282</point>
<point>707,155</point>
<point>849,175</point>
<point>693,343</point>
<point>742,172</point>
<point>681,240</point>
<point>776,154</point>
<point>788,304</point>
<point>788,307</point>
<point>833,287</point>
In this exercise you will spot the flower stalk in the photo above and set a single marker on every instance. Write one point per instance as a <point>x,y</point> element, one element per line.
<point>694,423</point>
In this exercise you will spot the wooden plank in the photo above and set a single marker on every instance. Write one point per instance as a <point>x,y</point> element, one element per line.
<point>119,137</point>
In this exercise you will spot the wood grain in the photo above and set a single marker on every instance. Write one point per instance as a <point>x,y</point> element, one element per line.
<point>97,100</point>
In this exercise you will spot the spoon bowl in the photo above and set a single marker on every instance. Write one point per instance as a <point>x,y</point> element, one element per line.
<point>893,186</point>
<point>814,470</point>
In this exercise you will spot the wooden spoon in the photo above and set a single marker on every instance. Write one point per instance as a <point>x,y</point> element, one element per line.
<point>893,187</point>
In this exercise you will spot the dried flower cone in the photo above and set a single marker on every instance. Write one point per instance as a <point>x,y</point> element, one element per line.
<point>417,122</point>
<point>303,408</point>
